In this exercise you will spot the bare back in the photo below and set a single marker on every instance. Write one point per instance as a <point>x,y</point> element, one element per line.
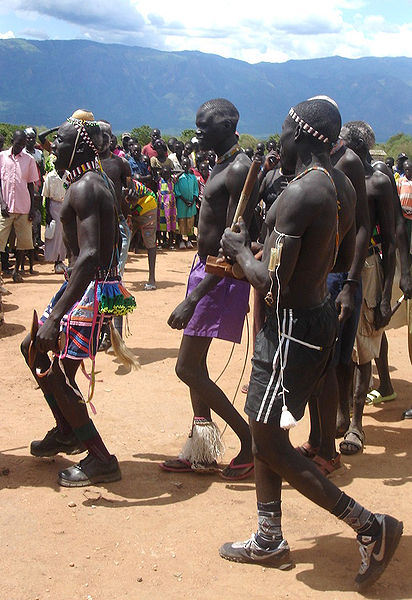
<point>307,213</point>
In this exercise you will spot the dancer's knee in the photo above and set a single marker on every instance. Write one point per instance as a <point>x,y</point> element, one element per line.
<point>186,373</point>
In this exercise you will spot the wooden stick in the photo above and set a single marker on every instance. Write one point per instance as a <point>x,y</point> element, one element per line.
<point>246,191</point>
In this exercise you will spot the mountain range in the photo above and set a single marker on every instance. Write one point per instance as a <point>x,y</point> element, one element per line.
<point>42,82</point>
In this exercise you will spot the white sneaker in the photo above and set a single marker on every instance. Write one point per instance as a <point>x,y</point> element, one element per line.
<point>182,245</point>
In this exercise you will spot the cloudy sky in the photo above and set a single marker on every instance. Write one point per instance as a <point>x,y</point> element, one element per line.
<point>265,31</point>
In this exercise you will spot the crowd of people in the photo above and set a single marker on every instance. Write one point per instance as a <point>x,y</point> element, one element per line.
<point>324,238</point>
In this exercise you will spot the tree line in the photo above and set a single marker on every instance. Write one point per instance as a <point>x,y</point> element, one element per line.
<point>400,142</point>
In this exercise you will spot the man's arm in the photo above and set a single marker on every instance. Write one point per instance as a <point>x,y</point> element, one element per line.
<point>385,218</point>
<point>405,282</point>
<point>30,187</point>
<point>45,144</point>
<point>3,206</point>
<point>354,170</point>
<point>292,218</point>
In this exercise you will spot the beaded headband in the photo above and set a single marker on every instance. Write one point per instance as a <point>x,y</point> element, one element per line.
<point>79,125</point>
<point>306,127</point>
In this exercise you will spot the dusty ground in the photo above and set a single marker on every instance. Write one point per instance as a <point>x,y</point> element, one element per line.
<point>156,535</point>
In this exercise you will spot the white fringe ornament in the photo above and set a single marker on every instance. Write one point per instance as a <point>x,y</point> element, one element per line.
<point>287,420</point>
<point>204,445</point>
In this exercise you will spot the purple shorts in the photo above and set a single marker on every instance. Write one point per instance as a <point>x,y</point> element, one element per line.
<point>221,313</point>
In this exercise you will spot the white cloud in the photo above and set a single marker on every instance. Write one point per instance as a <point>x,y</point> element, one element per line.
<point>350,28</point>
<point>7,35</point>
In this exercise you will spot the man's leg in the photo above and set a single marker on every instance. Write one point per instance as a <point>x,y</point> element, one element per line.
<point>151,257</point>
<point>354,438</point>
<point>61,438</point>
<point>345,375</point>
<point>385,389</point>
<point>271,446</point>
<point>206,395</point>
<point>99,466</point>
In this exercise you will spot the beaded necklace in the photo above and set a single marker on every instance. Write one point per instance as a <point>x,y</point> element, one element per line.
<point>78,172</point>
<point>228,153</point>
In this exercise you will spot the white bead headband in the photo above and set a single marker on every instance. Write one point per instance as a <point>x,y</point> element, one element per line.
<point>306,127</point>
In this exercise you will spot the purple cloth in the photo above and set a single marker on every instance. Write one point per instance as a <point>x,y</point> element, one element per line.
<point>221,313</point>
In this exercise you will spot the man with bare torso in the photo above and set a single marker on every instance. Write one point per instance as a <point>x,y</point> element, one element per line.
<point>70,325</point>
<point>329,413</point>
<point>377,277</point>
<point>311,232</point>
<point>213,307</point>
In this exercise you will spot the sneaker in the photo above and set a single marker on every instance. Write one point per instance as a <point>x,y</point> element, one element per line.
<point>377,553</point>
<point>54,442</point>
<point>189,244</point>
<point>59,268</point>
<point>90,471</point>
<point>250,552</point>
<point>182,245</point>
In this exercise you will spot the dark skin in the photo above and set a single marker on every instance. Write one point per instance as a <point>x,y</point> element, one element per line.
<point>89,228</point>
<point>329,408</point>
<point>385,385</point>
<point>18,143</point>
<point>219,202</point>
<point>381,212</point>
<point>115,167</point>
<point>306,208</point>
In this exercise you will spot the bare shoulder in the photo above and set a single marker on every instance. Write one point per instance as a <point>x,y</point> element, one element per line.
<point>381,182</point>
<point>344,185</point>
<point>91,188</point>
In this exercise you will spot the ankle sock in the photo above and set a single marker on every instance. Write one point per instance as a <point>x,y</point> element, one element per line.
<point>62,425</point>
<point>269,533</point>
<point>90,437</point>
<point>356,516</point>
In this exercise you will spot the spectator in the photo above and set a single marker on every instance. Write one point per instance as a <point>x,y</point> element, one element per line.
<point>187,194</point>
<point>31,135</point>
<point>125,142</point>
<point>114,148</point>
<point>166,209</point>
<point>404,185</point>
<point>400,159</point>
<point>18,173</point>
<point>150,150</point>
<point>161,160</point>
<point>211,157</point>
<point>188,152</point>
<point>53,193</point>
<point>176,156</point>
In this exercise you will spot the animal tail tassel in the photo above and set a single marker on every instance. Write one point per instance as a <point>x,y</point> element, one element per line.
<point>122,352</point>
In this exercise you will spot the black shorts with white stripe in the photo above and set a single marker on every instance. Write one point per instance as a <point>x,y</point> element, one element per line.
<point>307,339</point>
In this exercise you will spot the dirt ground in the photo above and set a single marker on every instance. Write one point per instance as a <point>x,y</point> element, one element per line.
<point>156,535</point>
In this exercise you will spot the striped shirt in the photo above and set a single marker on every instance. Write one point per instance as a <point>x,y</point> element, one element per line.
<point>404,186</point>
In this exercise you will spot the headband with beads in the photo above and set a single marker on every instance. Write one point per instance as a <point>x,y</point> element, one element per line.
<point>79,125</point>
<point>308,128</point>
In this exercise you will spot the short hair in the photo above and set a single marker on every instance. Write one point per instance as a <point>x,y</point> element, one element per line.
<point>358,131</point>
<point>18,133</point>
<point>224,109</point>
<point>321,116</point>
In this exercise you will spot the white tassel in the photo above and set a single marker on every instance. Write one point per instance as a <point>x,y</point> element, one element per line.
<point>287,420</point>
<point>204,445</point>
